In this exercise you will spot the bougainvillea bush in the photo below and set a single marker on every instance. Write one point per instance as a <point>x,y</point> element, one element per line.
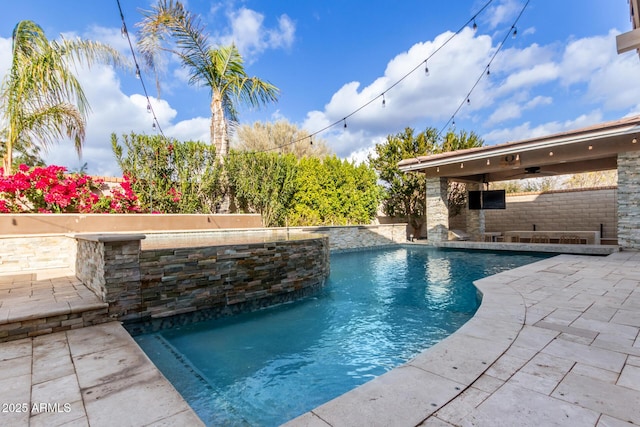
<point>51,190</point>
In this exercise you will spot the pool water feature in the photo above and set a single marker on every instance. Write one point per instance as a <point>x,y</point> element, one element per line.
<point>377,310</point>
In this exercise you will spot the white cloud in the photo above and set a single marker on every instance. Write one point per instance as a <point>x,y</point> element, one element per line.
<point>504,11</point>
<point>526,131</point>
<point>583,56</point>
<point>251,37</point>
<point>512,109</point>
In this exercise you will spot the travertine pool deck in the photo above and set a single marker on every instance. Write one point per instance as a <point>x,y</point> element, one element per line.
<point>92,376</point>
<point>553,343</point>
<point>66,373</point>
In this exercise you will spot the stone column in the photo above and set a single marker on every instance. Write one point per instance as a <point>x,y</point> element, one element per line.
<point>109,265</point>
<point>437,210</point>
<point>629,200</point>
<point>475,218</point>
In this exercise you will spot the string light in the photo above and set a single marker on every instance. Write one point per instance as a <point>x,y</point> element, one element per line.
<point>475,26</point>
<point>123,30</point>
<point>397,82</point>
<point>488,72</point>
<point>515,32</point>
<point>384,102</point>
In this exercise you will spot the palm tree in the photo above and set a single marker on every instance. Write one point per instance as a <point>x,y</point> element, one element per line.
<point>41,99</point>
<point>168,27</point>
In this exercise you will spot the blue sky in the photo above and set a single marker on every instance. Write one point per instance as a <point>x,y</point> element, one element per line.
<point>330,57</point>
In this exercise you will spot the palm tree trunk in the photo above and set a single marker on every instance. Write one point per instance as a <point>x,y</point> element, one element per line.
<point>219,136</point>
<point>7,159</point>
<point>220,139</point>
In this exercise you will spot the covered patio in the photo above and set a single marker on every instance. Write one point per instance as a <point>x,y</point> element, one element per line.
<point>608,146</point>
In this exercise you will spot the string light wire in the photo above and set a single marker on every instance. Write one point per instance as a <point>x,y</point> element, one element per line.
<point>485,71</point>
<point>397,82</point>
<point>125,33</point>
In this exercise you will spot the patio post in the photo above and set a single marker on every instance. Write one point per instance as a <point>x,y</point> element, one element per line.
<point>629,200</point>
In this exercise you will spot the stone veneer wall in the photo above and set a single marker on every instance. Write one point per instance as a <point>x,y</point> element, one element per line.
<point>23,254</point>
<point>629,200</point>
<point>156,283</point>
<point>354,237</point>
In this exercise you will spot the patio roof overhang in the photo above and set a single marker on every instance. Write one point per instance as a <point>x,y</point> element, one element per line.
<point>588,149</point>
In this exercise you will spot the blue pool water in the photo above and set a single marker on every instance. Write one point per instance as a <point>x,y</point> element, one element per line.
<point>377,310</point>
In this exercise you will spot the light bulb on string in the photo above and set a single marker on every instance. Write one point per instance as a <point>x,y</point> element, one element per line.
<point>468,101</point>
<point>384,101</point>
<point>426,68</point>
<point>123,31</point>
<point>453,123</point>
<point>149,107</point>
<point>153,125</point>
<point>515,32</point>
<point>137,72</point>
<point>310,141</point>
<point>345,123</point>
<point>475,26</point>
<point>488,71</point>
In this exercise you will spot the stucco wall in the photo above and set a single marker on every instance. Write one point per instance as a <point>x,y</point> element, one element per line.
<point>24,224</point>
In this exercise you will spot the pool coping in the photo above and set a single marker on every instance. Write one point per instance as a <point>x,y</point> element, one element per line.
<point>412,392</point>
<point>571,363</point>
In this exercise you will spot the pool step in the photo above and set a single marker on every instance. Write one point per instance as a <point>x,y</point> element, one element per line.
<point>46,301</point>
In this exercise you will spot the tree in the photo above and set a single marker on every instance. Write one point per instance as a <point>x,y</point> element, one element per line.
<point>42,101</point>
<point>405,192</point>
<point>263,183</point>
<point>169,175</point>
<point>169,27</point>
<point>281,137</point>
<point>331,191</point>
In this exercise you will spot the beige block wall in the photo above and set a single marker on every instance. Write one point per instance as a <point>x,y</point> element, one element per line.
<point>565,210</point>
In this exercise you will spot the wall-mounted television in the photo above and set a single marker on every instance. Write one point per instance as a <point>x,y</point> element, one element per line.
<point>491,199</point>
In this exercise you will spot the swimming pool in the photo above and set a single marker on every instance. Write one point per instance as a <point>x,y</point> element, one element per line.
<point>377,310</point>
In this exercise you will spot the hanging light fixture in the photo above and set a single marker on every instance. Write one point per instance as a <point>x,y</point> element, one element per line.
<point>384,102</point>
<point>515,32</point>
<point>426,68</point>
<point>475,26</point>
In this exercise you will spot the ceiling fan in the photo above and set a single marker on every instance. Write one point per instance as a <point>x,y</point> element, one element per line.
<point>531,172</point>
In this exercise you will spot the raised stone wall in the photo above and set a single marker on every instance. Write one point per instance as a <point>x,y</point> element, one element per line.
<point>141,285</point>
<point>22,254</point>
<point>629,200</point>
<point>176,281</point>
<point>354,237</point>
